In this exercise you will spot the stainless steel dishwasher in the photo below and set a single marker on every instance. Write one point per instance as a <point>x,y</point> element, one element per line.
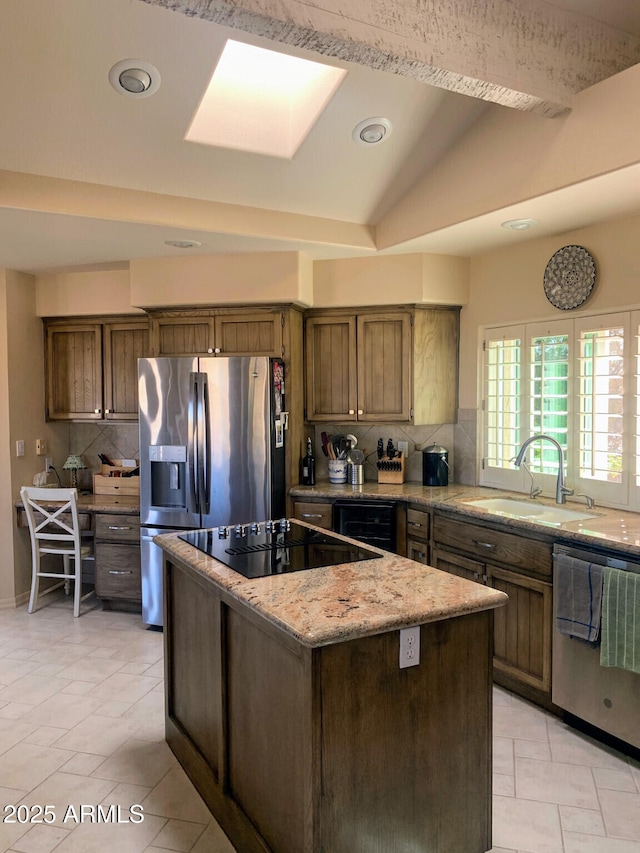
<point>605,697</point>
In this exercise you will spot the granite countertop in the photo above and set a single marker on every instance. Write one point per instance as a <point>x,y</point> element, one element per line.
<point>125,504</point>
<point>612,528</point>
<point>332,604</point>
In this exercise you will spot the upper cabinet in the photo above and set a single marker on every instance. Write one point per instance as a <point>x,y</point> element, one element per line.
<point>92,368</point>
<point>254,331</point>
<point>396,366</point>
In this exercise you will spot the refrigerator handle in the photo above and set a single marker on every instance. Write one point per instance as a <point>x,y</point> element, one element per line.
<point>205,447</point>
<point>193,439</point>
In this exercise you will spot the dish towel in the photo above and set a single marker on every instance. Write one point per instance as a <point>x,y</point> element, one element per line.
<point>578,598</point>
<point>621,620</point>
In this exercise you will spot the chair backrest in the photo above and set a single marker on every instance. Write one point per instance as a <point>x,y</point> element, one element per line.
<point>52,514</point>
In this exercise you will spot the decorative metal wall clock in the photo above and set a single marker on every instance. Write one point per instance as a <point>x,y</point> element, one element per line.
<point>569,277</point>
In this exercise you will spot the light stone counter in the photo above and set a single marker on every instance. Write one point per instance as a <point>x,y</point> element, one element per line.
<point>332,604</point>
<point>612,528</point>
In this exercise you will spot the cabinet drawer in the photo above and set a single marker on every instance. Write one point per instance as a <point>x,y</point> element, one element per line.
<point>488,544</point>
<point>117,528</point>
<point>118,571</point>
<point>417,550</point>
<point>417,524</point>
<point>317,514</point>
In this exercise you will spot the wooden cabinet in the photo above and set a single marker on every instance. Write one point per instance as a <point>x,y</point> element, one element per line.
<point>399,366</point>
<point>117,556</point>
<point>205,331</point>
<point>332,748</point>
<point>318,514</point>
<point>521,567</point>
<point>92,368</point>
<point>418,521</point>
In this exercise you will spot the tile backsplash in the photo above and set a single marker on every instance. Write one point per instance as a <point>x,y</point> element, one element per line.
<point>119,441</point>
<point>122,442</point>
<point>459,439</point>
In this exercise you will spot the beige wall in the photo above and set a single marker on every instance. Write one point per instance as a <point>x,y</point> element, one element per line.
<point>391,279</point>
<point>22,386</point>
<point>84,293</point>
<point>219,279</point>
<point>507,286</point>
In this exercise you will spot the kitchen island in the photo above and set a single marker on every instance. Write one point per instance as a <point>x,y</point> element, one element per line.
<point>287,708</point>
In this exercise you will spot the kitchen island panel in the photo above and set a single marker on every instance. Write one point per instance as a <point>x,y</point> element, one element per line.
<point>406,753</point>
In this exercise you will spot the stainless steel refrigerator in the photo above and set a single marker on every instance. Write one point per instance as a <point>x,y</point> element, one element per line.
<point>211,451</point>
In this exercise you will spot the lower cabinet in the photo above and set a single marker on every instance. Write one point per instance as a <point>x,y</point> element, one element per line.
<point>521,567</point>
<point>117,557</point>
<point>418,523</point>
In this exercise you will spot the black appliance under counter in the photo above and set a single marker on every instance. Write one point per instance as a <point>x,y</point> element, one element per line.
<point>266,548</point>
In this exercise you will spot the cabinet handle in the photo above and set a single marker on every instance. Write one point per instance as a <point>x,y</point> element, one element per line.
<point>488,545</point>
<point>106,411</point>
<point>210,349</point>
<point>361,411</point>
<point>119,572</point>
<point>118,527</point>
<point>96,411</point>
<point>352,411</point>
<point>217,349</point>
<point>414,523</point>
<point>421,554</point>
<point>310,515</point>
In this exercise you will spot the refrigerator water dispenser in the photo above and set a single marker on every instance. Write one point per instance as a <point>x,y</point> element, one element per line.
<point>168,469</point>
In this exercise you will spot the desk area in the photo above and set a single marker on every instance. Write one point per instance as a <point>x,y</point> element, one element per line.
<point>115,524</point>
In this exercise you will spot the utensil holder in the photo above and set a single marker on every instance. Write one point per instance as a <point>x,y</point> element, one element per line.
<point>337,470</point>
<point>391,470</point>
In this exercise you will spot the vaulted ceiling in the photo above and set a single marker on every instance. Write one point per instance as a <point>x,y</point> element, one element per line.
<point>489,104</point>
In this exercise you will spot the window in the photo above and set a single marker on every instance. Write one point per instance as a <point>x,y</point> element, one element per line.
<point>580,387</point>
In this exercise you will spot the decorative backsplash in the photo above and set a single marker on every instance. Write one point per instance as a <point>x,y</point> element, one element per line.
<point>119,441</point>
<point>459,439</point>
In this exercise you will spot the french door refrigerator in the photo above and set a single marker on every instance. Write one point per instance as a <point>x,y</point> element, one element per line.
<point>211,451</point>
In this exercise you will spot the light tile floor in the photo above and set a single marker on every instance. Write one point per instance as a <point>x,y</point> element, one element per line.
<point>82,724</point>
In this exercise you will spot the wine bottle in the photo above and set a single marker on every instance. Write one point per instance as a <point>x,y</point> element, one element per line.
<point>309,467</point>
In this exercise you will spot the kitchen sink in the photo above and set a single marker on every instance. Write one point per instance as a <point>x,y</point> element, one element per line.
<point>530,511</point>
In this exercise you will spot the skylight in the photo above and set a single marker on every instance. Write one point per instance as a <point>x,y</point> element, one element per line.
<point>262,101</point>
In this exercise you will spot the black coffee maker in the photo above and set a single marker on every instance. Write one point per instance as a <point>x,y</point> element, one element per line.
<point>435,466</point>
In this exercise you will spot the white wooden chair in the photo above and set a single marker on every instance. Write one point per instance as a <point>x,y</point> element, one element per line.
<point>55,529</point>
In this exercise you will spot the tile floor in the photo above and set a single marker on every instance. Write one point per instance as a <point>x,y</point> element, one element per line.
<point>81,723</point>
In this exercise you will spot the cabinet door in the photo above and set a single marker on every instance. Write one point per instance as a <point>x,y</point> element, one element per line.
<point>249,333</point>
<point>182,335</point>
<point>522,629</point>
<point>124,344</point>
<point>330,369</point>
<point>458,565</point>
<point>74,371</point>
<point>417,550</point>
<point>384,367</point>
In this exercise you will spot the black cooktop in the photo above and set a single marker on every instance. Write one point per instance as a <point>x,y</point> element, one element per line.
<point>274,547</point>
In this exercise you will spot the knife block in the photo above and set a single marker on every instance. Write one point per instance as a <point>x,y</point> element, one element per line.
<point>391,470</point>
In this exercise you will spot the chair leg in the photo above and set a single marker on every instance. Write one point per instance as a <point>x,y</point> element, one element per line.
<point>35,582</point>
<point>77,587</point>
<point>67,572</point>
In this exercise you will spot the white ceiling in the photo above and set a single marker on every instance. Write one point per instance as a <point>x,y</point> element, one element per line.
<point>61,119</point>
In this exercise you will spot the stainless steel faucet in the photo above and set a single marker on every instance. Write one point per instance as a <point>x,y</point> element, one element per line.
<point>561,490</point>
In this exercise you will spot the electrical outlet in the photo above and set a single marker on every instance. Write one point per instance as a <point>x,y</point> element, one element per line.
<point>409,647</point>
<point>41,446</point>
<point>20,447</point>
<point>48,462</point>
<point>403,447</point>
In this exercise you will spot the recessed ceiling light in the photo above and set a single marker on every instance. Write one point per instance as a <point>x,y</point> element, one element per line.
<point>520,224</point>
<point>135,78</point>
<point>183,244</point>
<point>372,131</point>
